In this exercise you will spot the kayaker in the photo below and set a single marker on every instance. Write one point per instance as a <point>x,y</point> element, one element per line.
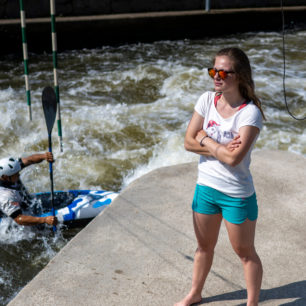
<point>14,198</point>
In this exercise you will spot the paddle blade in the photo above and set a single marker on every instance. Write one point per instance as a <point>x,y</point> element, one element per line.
<point>49,106</point>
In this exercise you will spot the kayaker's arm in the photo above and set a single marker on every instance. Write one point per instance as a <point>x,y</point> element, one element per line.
<point>37,158</point>
<point>31,220</point>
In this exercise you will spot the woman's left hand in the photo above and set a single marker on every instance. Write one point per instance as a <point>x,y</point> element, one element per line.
<point>200,135</point>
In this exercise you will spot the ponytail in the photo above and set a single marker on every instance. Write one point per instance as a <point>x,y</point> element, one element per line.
<point>248,92</point>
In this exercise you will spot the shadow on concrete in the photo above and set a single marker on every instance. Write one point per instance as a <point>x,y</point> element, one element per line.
<point>296,290</point>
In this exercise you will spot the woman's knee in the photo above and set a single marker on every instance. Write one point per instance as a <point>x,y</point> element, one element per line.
<point>245,253</point>
<point>208,247</point>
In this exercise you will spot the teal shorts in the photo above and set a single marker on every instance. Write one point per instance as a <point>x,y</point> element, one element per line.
<point>210,201</point>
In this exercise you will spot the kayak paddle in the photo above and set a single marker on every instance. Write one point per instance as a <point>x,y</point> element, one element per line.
<point>49,106</point>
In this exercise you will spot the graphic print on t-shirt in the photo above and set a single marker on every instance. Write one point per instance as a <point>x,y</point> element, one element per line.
<point>214,130</point>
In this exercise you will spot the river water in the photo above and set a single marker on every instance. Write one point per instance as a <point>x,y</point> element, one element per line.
<point>124,112</point>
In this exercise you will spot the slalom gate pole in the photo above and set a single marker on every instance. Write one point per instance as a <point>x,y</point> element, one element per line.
<point>56,87</point>
<point>25,56</point>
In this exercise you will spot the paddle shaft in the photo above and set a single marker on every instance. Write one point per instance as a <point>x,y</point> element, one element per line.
<point>49,107</point>
<point>51,179</point>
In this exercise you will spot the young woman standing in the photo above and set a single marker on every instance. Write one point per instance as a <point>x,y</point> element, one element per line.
<point>223,131</point>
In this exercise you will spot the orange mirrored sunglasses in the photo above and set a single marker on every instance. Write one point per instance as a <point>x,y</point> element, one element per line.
<point>223,74</point>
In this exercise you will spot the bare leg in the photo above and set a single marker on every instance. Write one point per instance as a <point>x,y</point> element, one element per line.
<point>206,228</point>
<point>242,238</point>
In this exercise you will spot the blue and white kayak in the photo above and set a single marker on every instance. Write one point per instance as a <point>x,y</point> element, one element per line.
<point>72,207</point>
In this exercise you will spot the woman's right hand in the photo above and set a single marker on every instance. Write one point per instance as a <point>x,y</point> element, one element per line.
<point>234,144</point>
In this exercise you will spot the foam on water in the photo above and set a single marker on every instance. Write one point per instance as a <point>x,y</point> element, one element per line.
<point>170,153</point>
<point>24,252</point>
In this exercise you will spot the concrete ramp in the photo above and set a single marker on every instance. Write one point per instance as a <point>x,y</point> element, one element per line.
<point>140,250</point>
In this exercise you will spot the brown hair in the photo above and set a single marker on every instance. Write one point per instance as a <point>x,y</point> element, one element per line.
<point>242,68</point>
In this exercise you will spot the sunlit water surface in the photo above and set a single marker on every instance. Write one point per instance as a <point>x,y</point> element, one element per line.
<point>124,112</point>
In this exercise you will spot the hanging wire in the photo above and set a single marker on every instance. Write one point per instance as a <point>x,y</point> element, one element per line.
<point>284,65</point>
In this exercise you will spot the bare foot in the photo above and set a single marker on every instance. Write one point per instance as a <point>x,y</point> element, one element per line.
<point>189,300</point>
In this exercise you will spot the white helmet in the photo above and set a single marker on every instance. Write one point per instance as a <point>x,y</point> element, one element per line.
<point>9,166</point>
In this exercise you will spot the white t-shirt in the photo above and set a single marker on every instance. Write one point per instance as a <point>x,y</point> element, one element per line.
<point>234,181</point>
<point>13,197</point>
<point>10,200</point>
